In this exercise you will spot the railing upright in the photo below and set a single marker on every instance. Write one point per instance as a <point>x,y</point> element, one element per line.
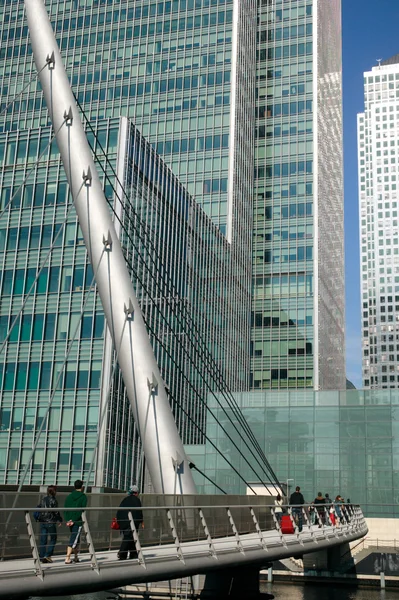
<point>92,552</point>
<point>33,545</point>
<point>258,529</point>
<point>235,531</point>
<point>211,547</point>
<point>136,540</point>
<point>294,523</point>
<point>308,523</point>
<point>175,536</point>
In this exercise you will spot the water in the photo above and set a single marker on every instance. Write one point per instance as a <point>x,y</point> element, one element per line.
<point>329,591</point>
<point>282,592</point>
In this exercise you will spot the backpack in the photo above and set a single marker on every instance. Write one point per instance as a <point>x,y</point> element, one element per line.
<point>42,516</point>
<point>37,514</point>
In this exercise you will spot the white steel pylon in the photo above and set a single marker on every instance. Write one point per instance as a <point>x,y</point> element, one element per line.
<point>143,381</point>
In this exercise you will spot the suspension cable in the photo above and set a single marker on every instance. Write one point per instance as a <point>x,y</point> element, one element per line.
<point>26,297</point>
<point>23,89</point>
<point>235,408</point>
<point>105,407</point>
<point>194,467</point>
<point>29,173</point>
<point>232,404</point>
<point>46,414</point>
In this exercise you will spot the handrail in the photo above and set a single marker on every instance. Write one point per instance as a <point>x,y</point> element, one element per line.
<point>175,541</point>
<point>178,507</point>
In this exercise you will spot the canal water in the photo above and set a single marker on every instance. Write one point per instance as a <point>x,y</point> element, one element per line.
<point>329,591</point>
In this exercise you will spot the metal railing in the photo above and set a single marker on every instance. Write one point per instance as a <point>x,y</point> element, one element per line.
<point>180,531</point>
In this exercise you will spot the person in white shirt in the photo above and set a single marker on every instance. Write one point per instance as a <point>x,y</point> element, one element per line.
<point>278,508</point>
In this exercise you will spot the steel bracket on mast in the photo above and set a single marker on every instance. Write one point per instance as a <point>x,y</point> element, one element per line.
<point>68,117</point>
<point>107,241</point>
<point>87,178</point>
<point>129,310</point>
<point>178,463</point>
<point>50,60</point>
<point>153,385</point>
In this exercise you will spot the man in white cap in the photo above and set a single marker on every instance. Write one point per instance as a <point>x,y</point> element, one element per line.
<point>131,504</point>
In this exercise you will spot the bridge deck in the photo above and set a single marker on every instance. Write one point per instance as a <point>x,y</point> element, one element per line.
<point>18,578</point>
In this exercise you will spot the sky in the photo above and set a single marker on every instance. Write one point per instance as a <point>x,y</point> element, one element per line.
<point>370,30</point>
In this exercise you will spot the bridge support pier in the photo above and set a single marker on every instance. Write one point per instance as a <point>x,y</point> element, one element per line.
<point>237,583</point>
<point>325,560</point>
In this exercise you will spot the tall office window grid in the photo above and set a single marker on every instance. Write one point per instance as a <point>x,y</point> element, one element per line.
<point>378,155</point>
<point>112,52</point>
<point>297,321</point>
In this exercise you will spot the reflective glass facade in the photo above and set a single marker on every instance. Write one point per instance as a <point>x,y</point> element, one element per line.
<point>334,442</point>
<point>378,156</point>
<point>185,71</point>
<point>298,267</point>
<point>179,261</point>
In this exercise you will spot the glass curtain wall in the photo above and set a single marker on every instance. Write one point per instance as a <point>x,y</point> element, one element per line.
<point>297,314</point>
<point>330,441</point>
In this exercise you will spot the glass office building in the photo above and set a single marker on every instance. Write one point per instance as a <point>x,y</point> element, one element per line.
<point>185,72</point>
<point>378,156</point>
<point>334,442</point>
<point>298,266</point>
<point>58,350</point>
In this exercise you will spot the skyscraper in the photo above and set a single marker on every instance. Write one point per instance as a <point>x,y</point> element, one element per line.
<point>186,73</point>
<point>378,139</point>
<point>298,254</point>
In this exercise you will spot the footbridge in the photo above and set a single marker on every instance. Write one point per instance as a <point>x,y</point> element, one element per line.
<point>176,541</point>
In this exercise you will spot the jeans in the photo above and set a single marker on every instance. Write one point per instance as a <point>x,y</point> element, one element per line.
<point>297,514</point>
<point>47,529</point>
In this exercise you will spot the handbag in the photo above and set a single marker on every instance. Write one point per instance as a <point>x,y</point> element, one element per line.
<point>114,524</point>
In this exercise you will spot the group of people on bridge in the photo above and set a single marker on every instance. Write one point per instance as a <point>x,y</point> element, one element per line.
<point>74,505</point>
<point>323,510</point>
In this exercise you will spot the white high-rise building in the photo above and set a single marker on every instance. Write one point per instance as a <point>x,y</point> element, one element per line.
<point>378,156</point>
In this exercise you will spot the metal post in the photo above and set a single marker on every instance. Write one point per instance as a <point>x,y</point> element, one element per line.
<point>235,531</point>
<point>175,536</point>
<point>258,529</point>
<point>33,545</point>
<point>211,547</point>
<point>382,580</point>
<point>158,431</point>
<point>136,540</point>
<point>92,552</point>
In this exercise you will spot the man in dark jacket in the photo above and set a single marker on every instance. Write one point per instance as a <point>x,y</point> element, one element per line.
<point>75,502</point>
<point>48,525</point>
<point>295,500</point>
<point>320,504</point>
<point>131,504</point>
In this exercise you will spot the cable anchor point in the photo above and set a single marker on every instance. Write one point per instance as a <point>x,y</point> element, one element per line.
<point>153,385</point>
<point>87,178</point>
<point>107,242</point>
<point>50,60</point>
<point>68,117</point>
<point>129,310</point>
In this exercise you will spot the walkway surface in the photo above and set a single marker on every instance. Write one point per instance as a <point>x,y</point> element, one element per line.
<point>18,578</point>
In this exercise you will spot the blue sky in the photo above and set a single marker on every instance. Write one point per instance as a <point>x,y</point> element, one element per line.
<point>370,31</point>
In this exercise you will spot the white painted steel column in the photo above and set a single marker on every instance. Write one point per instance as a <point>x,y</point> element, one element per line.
<point>145,388</point>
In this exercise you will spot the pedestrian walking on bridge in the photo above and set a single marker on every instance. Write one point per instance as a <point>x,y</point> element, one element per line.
<point>296,500</point>
<point>132,504</point>
<point>75,502</point>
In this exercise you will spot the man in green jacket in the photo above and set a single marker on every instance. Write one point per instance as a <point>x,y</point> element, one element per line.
<point>73,517</point>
